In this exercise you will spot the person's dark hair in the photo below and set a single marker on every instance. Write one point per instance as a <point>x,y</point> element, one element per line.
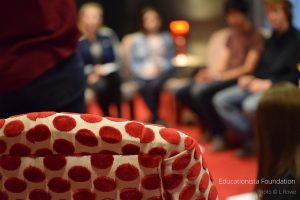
<point>236,5</point>
<point>143,12</point>
<point>277,134</point>
<point>287,7</point>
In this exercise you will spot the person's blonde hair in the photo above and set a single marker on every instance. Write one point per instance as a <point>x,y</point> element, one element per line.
<point>81,13</point>
<point>278,134</point>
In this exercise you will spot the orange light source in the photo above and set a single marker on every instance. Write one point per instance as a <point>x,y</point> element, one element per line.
<point>179,27</point>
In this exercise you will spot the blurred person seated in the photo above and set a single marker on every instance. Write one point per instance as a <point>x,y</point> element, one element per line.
<point>40,68</point>
<point>99,49</point>
<point>129,87</point>
<point>239,57</point>
<point>151,54</point>
<point>237,104</point>
<point>278,142</point>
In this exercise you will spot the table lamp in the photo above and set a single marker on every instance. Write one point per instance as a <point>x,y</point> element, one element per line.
<point>179,30</point>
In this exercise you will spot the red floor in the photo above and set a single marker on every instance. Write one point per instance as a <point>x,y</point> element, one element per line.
<point>223,166</point>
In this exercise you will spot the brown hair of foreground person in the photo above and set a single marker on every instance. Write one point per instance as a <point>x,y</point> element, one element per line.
<point>278,135</point>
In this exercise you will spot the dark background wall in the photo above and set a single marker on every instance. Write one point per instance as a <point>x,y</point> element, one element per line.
<point>123,15</point>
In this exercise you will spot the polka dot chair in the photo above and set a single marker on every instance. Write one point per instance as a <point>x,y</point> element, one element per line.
<point>50,155</point>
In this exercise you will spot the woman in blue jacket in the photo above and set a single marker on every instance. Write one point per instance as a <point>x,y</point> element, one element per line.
<point>151,54</point>
<point>99,50</point>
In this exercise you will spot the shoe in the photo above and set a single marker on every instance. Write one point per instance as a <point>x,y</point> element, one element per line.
<point>244,152</point>
<point>218,144</point>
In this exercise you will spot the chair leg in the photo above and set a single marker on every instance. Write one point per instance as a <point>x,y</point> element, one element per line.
<point>131,109</point>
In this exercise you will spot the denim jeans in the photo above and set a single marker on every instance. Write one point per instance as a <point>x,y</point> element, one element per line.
<point>59,89</point>
<point>237,107</point>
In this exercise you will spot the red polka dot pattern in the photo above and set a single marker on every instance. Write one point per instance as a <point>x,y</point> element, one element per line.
<point>13,128</point>
<point>102,161</point>
<point>151,182</point>
<point>147,136</point>
<point>2,146</point>
<point>194,172</point>
<point>110,134</point>
<point>108,152</point>
<point>168,196</point>
<point>197,152</point>
<point>34,174</point>
<point>131,194</point>
<point>19,150</point>
<point>10,162</point>
<point>79,174</point>
<point>173,153</point>
<point>172,181</point>
<point>15,185</point>
<point>48,155</point>
<point>116,119</point>
<point>189,143</point>
<point>213,193</point>
<point>204,163</point>
<point>35,116</point>
<point>43,152</point>
<point>64,123</point>
<point>158,151</point>
<point>204,182</point>
<point>63,146</point>
<point>84,194</point>
<point>38,133</point>
<point>182,162</point>
<point>130,149</point>
<point>86,137</point>
<point>187,192</point>
<point>2,121</point>
<point>55,162</point>
<point>39,194</point>
<point>134,129</point>
<point>170,135</point>
<point>105,184</point>
<point>127,172</point>
<point>91,118</point>
<point>3,196</point>
<point>59,185</point>
<point>155,198</point>
<point>149,161</point>
<point>200,197</point>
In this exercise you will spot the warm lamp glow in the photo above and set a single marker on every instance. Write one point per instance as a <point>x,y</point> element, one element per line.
<point>179,27</point>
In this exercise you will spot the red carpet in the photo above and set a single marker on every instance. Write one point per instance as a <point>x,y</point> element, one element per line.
<point>223,166</point>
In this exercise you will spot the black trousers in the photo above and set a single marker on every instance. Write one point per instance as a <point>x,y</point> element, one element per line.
<point>60,89</point>
<point>198,97</point>
<point>108,92</point>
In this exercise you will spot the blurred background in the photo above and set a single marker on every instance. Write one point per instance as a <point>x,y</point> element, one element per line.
<point>204,17</point>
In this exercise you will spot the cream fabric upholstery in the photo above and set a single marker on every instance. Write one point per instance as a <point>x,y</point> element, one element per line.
<point>51,155</point>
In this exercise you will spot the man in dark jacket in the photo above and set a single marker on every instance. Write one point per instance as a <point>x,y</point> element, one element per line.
<point>278,63</point>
